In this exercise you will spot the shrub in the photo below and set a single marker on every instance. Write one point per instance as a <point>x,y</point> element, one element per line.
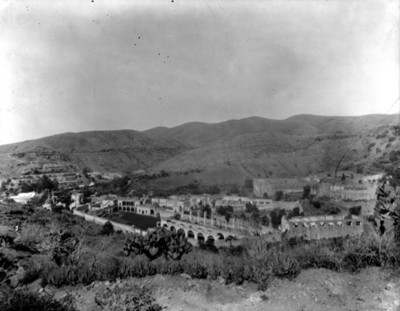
<point>355,210</point>
<point>306,191</point>
<point>278,195</point>
<point>20,299</point>
<point>107,229</point>
<point>128,297</point>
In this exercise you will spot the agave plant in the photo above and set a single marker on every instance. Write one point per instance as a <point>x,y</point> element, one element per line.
<point>173,245</point>
<point>387,208</point>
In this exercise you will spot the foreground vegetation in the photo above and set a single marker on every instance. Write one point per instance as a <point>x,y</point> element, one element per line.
<point>77,253</point>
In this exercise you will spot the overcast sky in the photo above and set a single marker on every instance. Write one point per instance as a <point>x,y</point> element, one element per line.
<point>73,66</point>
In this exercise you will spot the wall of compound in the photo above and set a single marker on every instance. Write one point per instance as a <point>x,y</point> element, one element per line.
<point>317,232</point>
<point>102,221</point>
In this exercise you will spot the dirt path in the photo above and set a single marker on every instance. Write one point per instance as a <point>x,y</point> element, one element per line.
<point>315,289</point>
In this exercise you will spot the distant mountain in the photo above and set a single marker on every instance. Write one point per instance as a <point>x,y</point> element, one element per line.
<point>222,152</point>
<point>103,151</point>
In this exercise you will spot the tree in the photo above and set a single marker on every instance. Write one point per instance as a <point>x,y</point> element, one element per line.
<point>248,184</point>
<point>306,191</point>
<point>206,209</point>
<point>265,220</point>
<point>85,172</point>
<point>214,189</point>
<point>251,208</point>
<point>107,229</point>
<point>3,186</point>
<point>278,195</point>
<point>355,210</point>
<point>45,183</point>
<point>276,217</point>
<point>25,187</point>
<point>234,189</point>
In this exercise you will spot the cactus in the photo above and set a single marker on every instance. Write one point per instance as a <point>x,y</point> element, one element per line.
<point>171,244</point>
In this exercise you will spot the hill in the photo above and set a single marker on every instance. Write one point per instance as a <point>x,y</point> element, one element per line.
<point>103,151</point>
<point>220,153</point>
<point>298,146</point>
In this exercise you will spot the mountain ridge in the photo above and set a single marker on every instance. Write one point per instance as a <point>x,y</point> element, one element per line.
<point>249,147</point>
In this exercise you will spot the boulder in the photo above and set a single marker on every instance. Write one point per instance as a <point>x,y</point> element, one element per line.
<point>186,276</point>
<point>35,286</point>
<point>19,275</point>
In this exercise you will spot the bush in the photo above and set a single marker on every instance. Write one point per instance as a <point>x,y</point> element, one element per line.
<point>19,299</point>
<point>306,191</point>
<point>107,229</point>
<point>355,210</point>
<point>278,195</point>
<point>134,298</point>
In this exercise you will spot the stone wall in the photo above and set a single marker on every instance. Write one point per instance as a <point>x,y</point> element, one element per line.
<point>317,229</point>
<point>102,221</point>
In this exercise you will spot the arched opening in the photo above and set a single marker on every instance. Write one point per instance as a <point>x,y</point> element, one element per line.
<point>152,212</point>
<point>229,238</point>
<point>210,239</point>
<point>200,237</point>
<point>181,232</point>
<point>220,236</point>
<point>165,226</point>
<point>172,228</point>
<point>190,234</point>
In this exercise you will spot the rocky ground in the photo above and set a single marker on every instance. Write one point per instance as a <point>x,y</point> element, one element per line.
<point>313,290</point>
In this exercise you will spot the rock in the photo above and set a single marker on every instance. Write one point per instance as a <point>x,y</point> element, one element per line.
<point>35,286</point>
<point>186,276</point>
<point>254,299</point>
<point>50,290</point>
<point>389,286</point>
<point>60,295</point>
<point>14,281</point>
<point>17,277</point>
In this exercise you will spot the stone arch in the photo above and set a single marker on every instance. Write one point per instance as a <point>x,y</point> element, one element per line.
<point>210,237</point>
<point>229,238</point>
<point>172,228</point>
<point>200,237</point>
<point>190,234</point>
<point>220,236</point>
<point>165,226</point>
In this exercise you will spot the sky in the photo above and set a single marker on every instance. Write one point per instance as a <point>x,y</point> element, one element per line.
<point>72,66</point>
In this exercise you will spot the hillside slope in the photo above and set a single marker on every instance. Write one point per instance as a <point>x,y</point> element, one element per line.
<point>298,146</point>
<point>104,151</point>
<point>219,153</point>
